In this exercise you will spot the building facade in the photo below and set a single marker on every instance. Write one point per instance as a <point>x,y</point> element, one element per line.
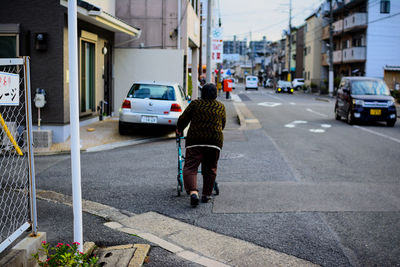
<point>165,24</point>
<point>39,29</point>
<point>312,50</point>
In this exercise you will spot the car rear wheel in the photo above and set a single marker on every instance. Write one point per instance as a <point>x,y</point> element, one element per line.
<point>350,118</point>
<point>390,123</point>
<point>122,129</point>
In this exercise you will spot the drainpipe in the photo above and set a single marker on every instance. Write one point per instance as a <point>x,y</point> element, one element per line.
<point>179,24</point>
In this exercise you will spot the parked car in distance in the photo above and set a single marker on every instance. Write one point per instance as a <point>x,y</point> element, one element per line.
<point>284,87</point>
<point>251,82</point>
<point>268,83</point>
<point>298,83</point>
<point>365,99</point>
<point>152,103</point>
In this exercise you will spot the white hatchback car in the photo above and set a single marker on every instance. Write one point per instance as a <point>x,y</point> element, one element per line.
<point>251,82</point>
<point>152,103</point>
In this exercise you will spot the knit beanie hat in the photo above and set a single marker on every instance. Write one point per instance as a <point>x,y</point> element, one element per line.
<point>209,91</point>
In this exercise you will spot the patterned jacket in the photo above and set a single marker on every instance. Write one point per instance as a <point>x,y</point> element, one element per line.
<point>207,119</point>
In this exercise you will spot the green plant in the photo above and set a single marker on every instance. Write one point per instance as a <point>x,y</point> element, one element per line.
<point>64,255</point>
<point>336,82</point>
<point>189,84</point>
<point>396,94</point>
<point>313,85</point>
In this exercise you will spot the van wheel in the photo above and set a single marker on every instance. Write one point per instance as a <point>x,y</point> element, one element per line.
<point>390,123</point>
<point>350,118</point>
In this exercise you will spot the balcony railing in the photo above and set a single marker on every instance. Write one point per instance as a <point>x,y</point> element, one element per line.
<point>337,27</point>
<point>325,32</point>
<point>325,59</point>
<point>354,54</point>
<point>356,20</point>
<point>337,57</point>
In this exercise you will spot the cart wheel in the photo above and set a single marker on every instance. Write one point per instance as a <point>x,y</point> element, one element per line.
<point>216,188</point>
<point>178,190</point>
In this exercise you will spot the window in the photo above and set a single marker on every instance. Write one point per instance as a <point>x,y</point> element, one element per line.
<point>385,6</point>
<point>152,91</point>
<point>87,77</point>
<point>8,46</point>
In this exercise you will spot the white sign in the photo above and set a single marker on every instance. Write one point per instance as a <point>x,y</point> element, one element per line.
<point>9,89</point>
<point>217,49</point>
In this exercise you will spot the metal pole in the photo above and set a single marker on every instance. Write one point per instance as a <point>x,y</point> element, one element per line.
<point>330,49</point>
<point>74,120</point>
<point>32,179</point>
<point>209,33</point>
<point>290,42</point>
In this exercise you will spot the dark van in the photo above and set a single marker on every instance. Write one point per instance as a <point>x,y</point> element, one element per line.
<point>365,99</point>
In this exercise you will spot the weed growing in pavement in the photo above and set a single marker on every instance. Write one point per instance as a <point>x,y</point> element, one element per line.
<point>64,255</point>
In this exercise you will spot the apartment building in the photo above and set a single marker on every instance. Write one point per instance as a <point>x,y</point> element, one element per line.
<point>366,39</point>
<point>299,53</point>
<point>235,47</point>
<point>293,52</point>
<point>312,50</point>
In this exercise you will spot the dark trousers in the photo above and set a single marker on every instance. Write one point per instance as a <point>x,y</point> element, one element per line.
<point>208,157</point>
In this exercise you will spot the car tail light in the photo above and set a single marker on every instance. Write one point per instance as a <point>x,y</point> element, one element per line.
<point>126,104</point>
<point>176,107</point>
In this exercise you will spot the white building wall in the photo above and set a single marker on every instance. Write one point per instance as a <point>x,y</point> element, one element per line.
<point>133,65</point>
<point>383,38</point>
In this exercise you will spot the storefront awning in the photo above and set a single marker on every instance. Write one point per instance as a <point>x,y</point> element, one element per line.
<point>96,16</point>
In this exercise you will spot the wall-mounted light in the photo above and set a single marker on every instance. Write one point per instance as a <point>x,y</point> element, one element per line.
<point>41,41</point>
<point>104,50</point>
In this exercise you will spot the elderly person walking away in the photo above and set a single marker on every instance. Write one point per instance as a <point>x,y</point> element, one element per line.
<point>204,142</point>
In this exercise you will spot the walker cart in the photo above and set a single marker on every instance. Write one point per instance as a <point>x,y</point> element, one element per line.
<point>181,158</point>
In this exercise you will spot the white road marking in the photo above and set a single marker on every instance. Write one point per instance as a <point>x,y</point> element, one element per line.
<point>269,104</point>
<point>299,122</point>
<point>326,125</point>
<point>317,130</point>
<point>291,103</point>
<point>236,98</point>
<point>378,134</point>
<point>315,112</point>
<point>290,125</point>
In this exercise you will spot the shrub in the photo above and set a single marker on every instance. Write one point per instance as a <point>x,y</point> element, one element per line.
<point>64,255</point>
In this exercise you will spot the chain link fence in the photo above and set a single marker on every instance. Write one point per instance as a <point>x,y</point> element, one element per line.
<point>16,202</point>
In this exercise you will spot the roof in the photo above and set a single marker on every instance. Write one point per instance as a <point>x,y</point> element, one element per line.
<point>97,16</point>
<point>166,83</point>
<point>392,68</point>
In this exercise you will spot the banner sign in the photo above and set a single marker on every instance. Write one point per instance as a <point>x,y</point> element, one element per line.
<point>9,89</point>
<point>217,45</point>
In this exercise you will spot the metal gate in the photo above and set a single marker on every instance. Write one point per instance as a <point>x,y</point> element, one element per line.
<point>17,174</point>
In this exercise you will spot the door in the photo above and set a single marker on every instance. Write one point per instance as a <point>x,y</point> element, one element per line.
<point>87,95</point>
<point>107,80</point>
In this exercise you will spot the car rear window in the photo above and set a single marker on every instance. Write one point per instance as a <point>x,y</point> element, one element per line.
<point>369,87</point>
<point>152,91</point>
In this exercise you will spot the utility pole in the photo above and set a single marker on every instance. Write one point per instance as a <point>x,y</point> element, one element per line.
<point>330,80</point>
<point>209,33</point>
<point>201,42</point>
<point>290,41</point>
<point>252,55</point>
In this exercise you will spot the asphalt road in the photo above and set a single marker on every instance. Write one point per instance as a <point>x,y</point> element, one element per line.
<point>303,184</point>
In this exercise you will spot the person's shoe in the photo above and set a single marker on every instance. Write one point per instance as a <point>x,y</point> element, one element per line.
<point>205,199</point>
<point>194,200</point>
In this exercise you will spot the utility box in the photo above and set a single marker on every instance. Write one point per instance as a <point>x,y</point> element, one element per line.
<point>42,138</point>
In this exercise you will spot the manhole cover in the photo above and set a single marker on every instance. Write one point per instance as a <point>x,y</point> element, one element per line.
<point>231,156</point>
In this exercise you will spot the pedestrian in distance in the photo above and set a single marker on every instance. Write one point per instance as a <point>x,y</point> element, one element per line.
<point>204,141</point>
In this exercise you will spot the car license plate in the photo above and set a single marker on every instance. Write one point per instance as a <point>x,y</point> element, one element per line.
<point>376,112</point>
<point>149,119</point>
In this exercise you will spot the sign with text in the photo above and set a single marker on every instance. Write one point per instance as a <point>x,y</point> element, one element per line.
<point>9,89</point>
<point>217,48</point>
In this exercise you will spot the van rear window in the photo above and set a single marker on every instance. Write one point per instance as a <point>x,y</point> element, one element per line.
<point>152,91</point>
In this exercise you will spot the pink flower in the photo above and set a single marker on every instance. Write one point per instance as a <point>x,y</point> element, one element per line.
<point>44,242</point>
<point>68,245</point>
<point>59,245</point>
<point>81,253</point>
<point>76,243</point>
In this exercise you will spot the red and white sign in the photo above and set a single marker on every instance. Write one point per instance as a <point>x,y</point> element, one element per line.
<point>9,89</point>
<point>217,48</point>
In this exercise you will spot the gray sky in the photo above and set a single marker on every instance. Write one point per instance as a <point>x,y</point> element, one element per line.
<point>262,17</point>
